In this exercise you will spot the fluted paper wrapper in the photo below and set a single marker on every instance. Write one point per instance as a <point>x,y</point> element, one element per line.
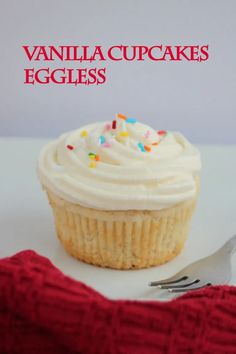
<point>121,239</point>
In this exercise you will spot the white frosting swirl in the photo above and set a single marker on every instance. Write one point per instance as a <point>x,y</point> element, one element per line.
<point>125,178</point>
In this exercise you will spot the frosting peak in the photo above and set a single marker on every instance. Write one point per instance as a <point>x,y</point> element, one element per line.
<point>120,165</point>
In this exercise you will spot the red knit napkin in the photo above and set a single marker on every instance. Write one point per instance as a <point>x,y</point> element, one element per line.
<point>44,311</point>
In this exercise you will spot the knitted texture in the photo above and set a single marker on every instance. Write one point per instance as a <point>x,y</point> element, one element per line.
<point>44,311</point>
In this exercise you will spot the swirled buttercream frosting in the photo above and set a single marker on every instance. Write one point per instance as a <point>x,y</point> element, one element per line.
<point>120,165</point>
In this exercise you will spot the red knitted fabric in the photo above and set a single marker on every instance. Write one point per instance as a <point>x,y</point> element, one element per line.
<point>44,311</point>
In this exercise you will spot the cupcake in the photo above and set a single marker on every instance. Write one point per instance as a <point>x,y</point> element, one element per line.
<point>122,193</point>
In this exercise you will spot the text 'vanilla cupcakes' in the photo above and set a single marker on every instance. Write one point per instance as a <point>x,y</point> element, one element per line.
<point>122,193</point>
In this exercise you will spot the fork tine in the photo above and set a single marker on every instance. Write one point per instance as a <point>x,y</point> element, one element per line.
<point>180,290</point>
<point>185,285</point>
<point>167,281</point>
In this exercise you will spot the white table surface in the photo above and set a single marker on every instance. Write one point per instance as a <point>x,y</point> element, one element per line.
<point>26,220</point>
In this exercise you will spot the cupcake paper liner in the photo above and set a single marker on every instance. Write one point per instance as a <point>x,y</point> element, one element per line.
<point>121,239</point>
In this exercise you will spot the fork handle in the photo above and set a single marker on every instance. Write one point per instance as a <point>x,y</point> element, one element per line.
<point>229,246</point>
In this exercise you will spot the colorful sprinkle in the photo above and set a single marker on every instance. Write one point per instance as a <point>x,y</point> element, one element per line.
<point>70,147</point>
<point>156,143</point>
<point>121,116</point>
<point>147,134</point>
<point>92,156</point>
<point>114,124</point>
<point>106,145</point>
<point>102,139</point>
<point>131,120</point>
<point>147,148</point>
<point>84,133</point>
<point>92,164</point>
<point>141,147</point>
<point>107,127</point>
<point>124,134</point>
<point>162,132</point>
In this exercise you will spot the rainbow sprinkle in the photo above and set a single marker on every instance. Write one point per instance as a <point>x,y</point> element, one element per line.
<point>70,147</point>
<point>107,127</point>
<point>84,133</point>
<point>92,164</point>
<point>93,159</point>
<point>106,145</point>
<point>121,116</point>
<point>147,148</point>
<point>114,124</point>
<point>155,143</point>
<point>124,134</point>
<point>141,147</point>
<point>102,139</point>
<point>92,156</point>
<point>126,119</point>
<point>131,120</point>
<point>162,132</point>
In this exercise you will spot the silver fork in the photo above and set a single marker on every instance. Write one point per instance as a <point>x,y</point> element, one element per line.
<point>212,270</point>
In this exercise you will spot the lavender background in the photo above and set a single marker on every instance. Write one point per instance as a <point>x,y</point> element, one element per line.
<point>197,99</point>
